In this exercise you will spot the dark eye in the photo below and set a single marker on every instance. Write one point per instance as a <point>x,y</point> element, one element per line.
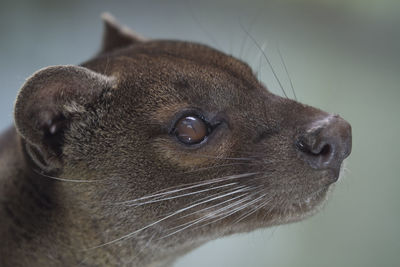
<point>191,130</point>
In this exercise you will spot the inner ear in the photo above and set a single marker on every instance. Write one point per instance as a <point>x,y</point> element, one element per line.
<point>47,154</point>
<point>53,132</point>
<point>47,104</point>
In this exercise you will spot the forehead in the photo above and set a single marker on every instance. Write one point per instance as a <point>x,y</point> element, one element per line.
<point>182,71</point>
<point>189,52</point>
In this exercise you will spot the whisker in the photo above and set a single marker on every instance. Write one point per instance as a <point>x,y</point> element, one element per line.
<point>212,214</point>
<point>236,210</point>
<point>213,167</point>
<point>208,33</point>
<point>194,222</point>
<point>66,179</point>
<point>243,44</point>
<point>192,185</point>
<point>259,73</point>
<point>141,249</point>
<point>160,220</point>
<point>219,158</point>
<point>202,210</point>
<point>244,188</point>
<point>260,206</point>
<point>267,59</point>
<point>183,195</point>
<point>287,73</point>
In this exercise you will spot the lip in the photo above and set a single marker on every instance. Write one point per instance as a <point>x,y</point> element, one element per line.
<point>333,175</point>
<point>328,176</point>
<point>313,197</point>
<point>317,195</point>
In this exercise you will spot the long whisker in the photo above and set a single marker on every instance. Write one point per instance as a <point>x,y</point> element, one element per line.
<point>259,73</point>
<point>212,214</point>
<point>244,188</point>
<point>214,157</point>
<point>242,46</point>
<point>193,185</point>
<point>194,222</point>
<point>183,195</point>
<point>161,220</point>
<point>287,73</point>
<point>236,210</point>
<point>66,179</point>
<point>211,207</point>
<point>267,59</point>
<point>213,167</point>
<point>209,35</point>
<point>260,206</point>
<point>142,248</point>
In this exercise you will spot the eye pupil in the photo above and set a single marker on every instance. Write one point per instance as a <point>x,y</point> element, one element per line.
<point>191,130</point>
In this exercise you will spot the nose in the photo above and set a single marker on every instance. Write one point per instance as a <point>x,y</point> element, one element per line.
<point>325,143</point>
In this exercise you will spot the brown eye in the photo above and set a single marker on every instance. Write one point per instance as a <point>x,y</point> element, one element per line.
<point>191,130</point>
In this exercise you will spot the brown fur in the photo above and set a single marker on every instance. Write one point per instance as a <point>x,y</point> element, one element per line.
<point>106,124</point>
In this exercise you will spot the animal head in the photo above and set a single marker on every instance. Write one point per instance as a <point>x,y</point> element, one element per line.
<point>174,143</point>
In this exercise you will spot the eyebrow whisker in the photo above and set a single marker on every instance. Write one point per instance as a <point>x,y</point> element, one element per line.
<point>266,59</point>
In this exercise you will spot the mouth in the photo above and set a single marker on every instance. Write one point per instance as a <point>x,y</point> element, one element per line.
<point>304,205</point>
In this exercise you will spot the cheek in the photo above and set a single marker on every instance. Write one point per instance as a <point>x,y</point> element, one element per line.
<point>169,150</point>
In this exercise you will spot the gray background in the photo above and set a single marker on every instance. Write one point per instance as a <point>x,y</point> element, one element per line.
<point>343,57</point>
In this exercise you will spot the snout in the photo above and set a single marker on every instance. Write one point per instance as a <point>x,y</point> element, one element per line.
<point>325,143</point>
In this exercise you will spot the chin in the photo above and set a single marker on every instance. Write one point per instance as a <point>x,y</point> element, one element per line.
<point>304,208</point>
<point>284,213</point>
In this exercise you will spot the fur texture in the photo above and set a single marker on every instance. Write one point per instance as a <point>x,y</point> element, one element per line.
<point>91,175</point>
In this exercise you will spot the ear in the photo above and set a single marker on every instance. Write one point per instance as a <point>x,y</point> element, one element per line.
<point>117,36</point>
<point>46,105</point>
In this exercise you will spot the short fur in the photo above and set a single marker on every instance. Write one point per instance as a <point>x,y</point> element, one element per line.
<point>91,176</point>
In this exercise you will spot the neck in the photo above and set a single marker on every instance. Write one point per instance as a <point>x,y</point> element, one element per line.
<point>25,208</point>
<point>42,224</point>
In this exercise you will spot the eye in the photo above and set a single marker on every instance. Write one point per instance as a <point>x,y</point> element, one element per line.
<point>191,130</point>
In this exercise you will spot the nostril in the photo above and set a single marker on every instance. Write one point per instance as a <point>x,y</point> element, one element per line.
<point>326,154</point>
<point>317,153</point>
<point>325,151</point>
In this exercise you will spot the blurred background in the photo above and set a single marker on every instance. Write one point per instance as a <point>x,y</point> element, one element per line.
<point>342,55</point>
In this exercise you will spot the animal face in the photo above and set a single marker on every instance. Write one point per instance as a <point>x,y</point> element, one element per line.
<point>176,142</point>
